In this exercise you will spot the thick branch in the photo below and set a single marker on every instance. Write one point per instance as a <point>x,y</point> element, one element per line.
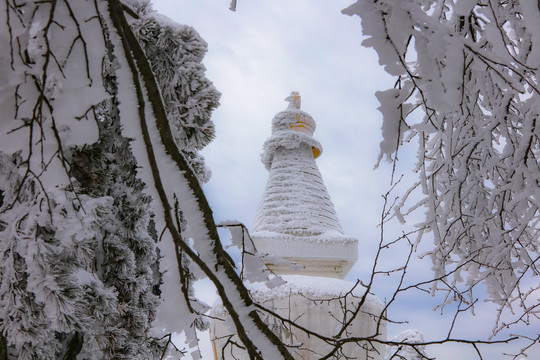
<point>3,348</point>
<point>142,68</point>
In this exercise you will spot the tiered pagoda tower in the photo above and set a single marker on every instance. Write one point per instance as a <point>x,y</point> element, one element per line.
<point>296,220</point>
<point>297,230</point>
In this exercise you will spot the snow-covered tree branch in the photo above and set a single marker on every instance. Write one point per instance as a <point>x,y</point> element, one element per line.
<point>467,93</point>
<point>76,225</point>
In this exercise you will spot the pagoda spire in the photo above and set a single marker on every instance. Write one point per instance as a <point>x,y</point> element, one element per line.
<point>296,219</point>
<point>294,100</point>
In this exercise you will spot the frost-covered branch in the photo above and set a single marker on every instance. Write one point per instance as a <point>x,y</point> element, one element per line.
<point>214,263</point>
<point>468,92</point>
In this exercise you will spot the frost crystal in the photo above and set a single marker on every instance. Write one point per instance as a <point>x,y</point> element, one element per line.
<point>467,93</point>
<point>295,201</point>
<point>175,53</point>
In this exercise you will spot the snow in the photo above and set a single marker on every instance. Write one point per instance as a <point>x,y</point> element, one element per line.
<point>65,77</point>
<point>330,236</point>
<point>390,100</point>
<point>296,226</point>
<point>310,286</point>
<point>316,303</point>
<point>173,313</point>
<point>467,80</point>
<point>464,7</point>
<point>176,52</point>
<point>531,18</point>
<point>410,336</point>
<point>295,200</point>
<point>36,43</point>
<point>288,140</point>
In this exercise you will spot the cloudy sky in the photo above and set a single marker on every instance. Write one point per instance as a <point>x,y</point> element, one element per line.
<point>257,56</point>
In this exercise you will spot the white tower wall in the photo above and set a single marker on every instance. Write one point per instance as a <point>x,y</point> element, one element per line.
<point>318,304</point>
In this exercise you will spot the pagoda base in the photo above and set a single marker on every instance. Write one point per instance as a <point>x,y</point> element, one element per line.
<point>317,304</point>
<point>329,255</point>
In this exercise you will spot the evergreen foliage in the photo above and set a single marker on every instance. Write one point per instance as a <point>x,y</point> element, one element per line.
<point>50,292</point>
<point>83,263</point>
<point>79,267</point>
<point>127,251</point>
<point>175,53</point>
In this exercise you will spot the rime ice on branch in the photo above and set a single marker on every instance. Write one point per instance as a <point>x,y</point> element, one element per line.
<point>467,92</point>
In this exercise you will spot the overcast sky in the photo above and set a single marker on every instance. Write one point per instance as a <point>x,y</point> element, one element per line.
<point>257,56</point>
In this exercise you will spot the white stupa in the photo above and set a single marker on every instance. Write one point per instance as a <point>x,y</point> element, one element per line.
<point>297,230</point>
<point>296,220</point>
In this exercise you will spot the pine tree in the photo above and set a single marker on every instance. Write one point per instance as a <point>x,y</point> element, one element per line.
<point>79,273</point>
<point>175,53</point>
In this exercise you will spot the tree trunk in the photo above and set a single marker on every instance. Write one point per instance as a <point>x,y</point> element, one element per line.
<point>3,348</point>
<point>74,347</point>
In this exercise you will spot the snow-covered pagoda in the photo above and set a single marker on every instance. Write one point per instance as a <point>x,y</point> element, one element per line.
<point>298,232</point>
<point>296,220</point>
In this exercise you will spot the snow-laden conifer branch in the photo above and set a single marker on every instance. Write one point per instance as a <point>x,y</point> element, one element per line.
<point>175,54</point>
<point>68,251</point>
